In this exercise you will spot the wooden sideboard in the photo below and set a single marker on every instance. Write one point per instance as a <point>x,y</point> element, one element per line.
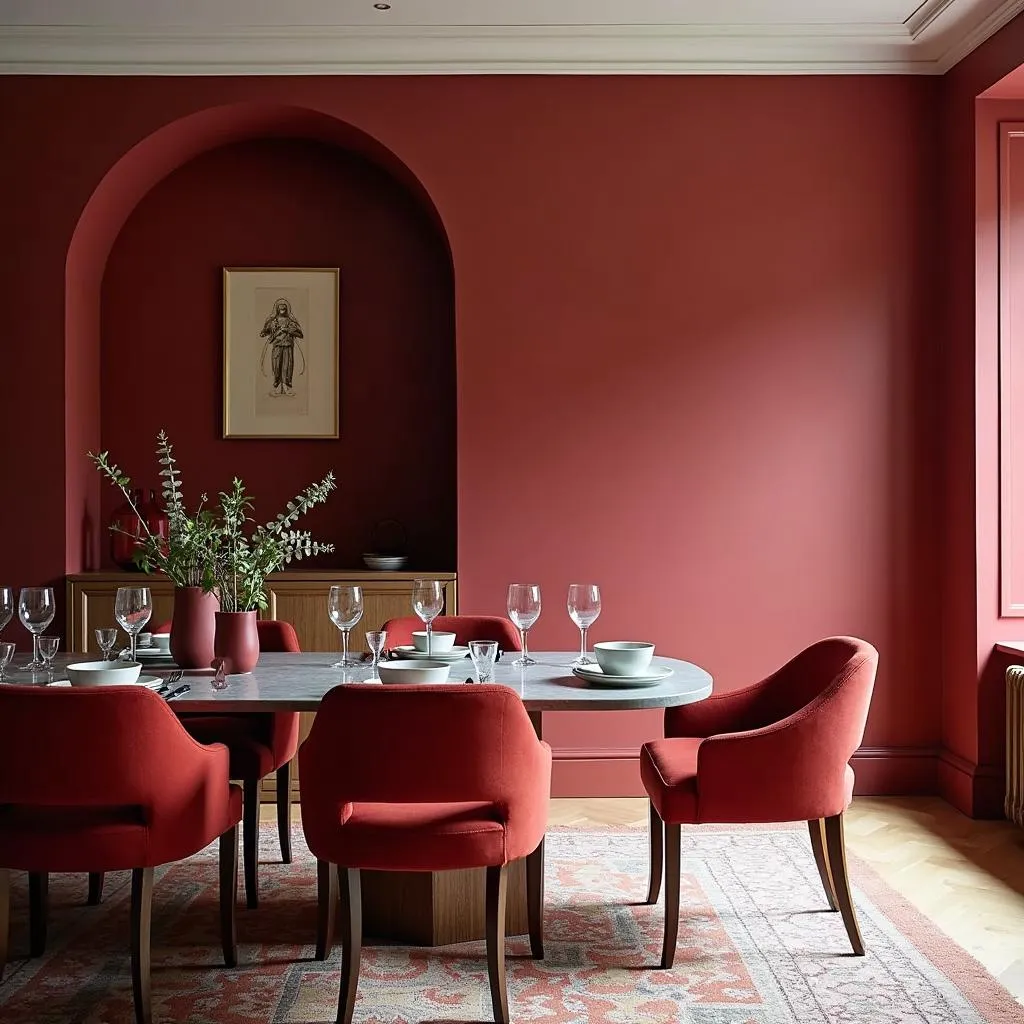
<point>298,597</point>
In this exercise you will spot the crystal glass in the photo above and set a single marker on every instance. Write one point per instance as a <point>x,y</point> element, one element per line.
<point>483,653</point>
<point>345,607</point>
<point>375,640</point>
<point>6,606</point>
<point>584,604</point>
<point>6,653</point>
<point>220,673</point>
<point>48,650</point>
<point>105,639</point>
<point>133,607</point>
<point>427,602</point>
<point>36,609</point>
<point>523,610</point>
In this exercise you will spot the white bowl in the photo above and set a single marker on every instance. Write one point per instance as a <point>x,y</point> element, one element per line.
<point>162,641</point>
<point>384,562</point>
<point>413,671</point>
<point>438,641</point>
<point>623,657</point>
<point>103,673</point>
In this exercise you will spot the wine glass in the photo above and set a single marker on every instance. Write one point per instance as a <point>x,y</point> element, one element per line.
<point>345,607</point>
<point>584,604</point>
<point>483,653</point>
<point>106,637</point>
<point>132,608</point>
<point>427,602</point>
<point>6,653</point>
<point>48,650</point>
<point>375,640</point>
<point>36,609</point>
<point>523,610</point>
<point>6,606</point>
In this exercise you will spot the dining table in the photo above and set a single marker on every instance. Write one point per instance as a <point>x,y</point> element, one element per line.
<point>421,908</point>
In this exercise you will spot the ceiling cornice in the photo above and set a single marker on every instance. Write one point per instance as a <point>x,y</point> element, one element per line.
<point>931,42</point>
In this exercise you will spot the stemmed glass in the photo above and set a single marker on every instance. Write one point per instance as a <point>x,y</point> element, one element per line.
<point>523,610</point>
<point>36,610</point>
<point>6,653</point>
<point>375,640</point>
<point>584,604</point>
<point>345,607</point>
<point>6,606</point>
<point>105,639</point>
<point>48,650</point>
<point>483,653</point>
<point>427,602</point>
<point>132,608</point>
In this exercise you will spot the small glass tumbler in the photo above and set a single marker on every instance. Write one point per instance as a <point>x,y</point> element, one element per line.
<point>483,653</point>
<point>6,653</point>
<point>375,640</point>
<point>105,640</point>
<point>47,651</point>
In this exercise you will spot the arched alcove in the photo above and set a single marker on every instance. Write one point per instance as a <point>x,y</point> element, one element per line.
<point>256,185</point>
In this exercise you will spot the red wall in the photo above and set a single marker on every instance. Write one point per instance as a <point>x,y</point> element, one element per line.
<point>695,339</point>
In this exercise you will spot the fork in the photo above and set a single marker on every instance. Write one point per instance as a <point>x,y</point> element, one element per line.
<point>172,679</point>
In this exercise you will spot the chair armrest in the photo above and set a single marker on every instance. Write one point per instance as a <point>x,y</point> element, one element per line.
<point>734,711</point>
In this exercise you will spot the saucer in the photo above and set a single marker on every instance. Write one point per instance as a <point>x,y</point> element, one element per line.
<point>593,674</point>
<point>408,651</point>
<point>152,654</point>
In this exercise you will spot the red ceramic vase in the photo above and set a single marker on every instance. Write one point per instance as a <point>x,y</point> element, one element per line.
<point>193,627</point>
<point>237,640</point>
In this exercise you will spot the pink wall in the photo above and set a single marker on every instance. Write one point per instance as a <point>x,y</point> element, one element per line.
<point>696,355</point>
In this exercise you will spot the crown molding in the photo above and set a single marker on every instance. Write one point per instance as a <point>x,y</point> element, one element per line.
<point>922,46</point>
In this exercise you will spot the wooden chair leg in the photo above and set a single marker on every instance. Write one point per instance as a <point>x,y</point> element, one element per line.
<point>228,852</point>
<point>251,840</point>
<point>535,900</point>
<point>816,827</point>
<point>836,846</point>
<point>5,916</point>
<point>351,940</point>
<point>326,903</point>
<point>38,900</point>
<point>284,811</point>
<point>668,949</point>
<point>95,888</point>
<point>495,935</point>
<point>142,913</point>
<point>657,841</point>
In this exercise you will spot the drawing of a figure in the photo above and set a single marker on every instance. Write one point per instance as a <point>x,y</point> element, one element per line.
<point>283,333</point>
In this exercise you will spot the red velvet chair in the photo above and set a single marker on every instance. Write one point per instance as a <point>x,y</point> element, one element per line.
<point>259,744</point>
<point>123,787</point>
<point>465,628</point>
<point>424,778</point>
<point>776,751</point>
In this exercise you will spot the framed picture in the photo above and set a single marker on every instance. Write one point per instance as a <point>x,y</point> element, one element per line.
<point>281,351</point>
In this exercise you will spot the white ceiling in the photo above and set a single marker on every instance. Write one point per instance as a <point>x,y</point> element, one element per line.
<point>494,36</point>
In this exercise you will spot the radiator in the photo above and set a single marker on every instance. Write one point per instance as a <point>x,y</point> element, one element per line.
<point>1014,806</point>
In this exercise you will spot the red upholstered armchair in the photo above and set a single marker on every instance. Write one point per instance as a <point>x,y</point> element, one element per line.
<point>124,787</point>
<point>462,781</point>
<point>465,628</point>
<point>776,751</point>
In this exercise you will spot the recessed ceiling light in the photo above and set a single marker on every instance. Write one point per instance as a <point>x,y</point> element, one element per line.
<point>382,7</point>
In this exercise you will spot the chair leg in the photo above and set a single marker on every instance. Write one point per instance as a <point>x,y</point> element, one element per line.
<point>142,913</point>
<point>657,840</point>
<point>284,810</point>
<point>495,935</point>
<point>668,948</point>
<point>95,888</point>
<point>38,900</point>
<point>351,940</point>
<point>326,904</point>
<point>535,900</point>
<point>836,845</point>
<point>5,916</point>
<point>251,840</point>
<point>228,852</point>
<point>816,827</point>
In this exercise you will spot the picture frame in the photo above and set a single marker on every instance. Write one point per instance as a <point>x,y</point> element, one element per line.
<point>281,352</point>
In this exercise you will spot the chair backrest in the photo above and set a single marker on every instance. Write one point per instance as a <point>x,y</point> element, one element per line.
<point>274,634</point>
<point>465,628</point>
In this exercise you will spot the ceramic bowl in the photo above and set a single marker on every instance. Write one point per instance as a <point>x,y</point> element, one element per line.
<point>438,641</point>
<point>386,563</point>
<point>162,641</point>
<point>103,673</point>
<point>413,672</point>
<point>623,657</point>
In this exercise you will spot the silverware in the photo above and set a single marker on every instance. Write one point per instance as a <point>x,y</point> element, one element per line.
<point>176,692</point>
<point>174,676</point>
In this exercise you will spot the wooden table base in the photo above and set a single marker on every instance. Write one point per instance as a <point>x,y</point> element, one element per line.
<point>424,908</point>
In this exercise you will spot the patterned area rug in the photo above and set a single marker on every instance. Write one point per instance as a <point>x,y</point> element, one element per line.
<point>754,946</point>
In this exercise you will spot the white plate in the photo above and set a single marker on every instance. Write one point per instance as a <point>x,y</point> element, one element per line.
<point>151,654</point>
<point>455,654</point>
<point>593,674</point>
<point>150,682</point>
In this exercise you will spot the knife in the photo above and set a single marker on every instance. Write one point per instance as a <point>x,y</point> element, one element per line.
<point>177,690</point>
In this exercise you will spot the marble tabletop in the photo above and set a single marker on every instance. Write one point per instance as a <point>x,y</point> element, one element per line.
<point>298,682</point>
